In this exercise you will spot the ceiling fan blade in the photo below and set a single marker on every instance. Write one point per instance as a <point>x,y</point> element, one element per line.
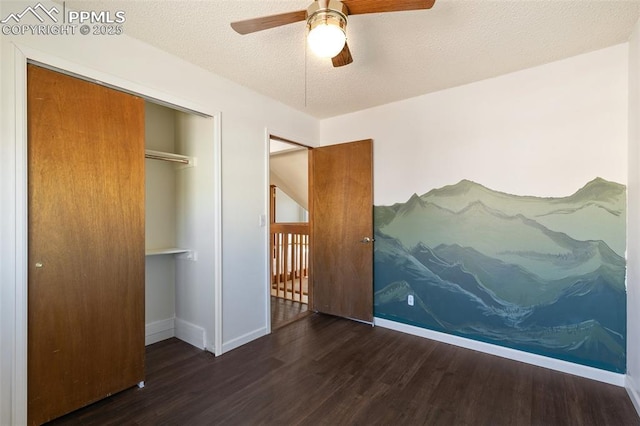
<point>343,58</point>
<point>357,7</point>
<point>265,22</point>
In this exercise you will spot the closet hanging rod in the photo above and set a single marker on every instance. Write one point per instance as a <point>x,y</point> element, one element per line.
<point>169,156</point>
<point>163,158</point>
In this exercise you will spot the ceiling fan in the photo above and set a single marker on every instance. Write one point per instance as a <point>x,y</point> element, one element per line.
<point>327,23</point>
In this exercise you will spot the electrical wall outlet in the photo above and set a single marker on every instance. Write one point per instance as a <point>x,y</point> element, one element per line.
<point>410,300</point>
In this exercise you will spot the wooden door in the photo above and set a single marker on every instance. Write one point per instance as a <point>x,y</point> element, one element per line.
<point>86,242</point>
<point>341,222</point>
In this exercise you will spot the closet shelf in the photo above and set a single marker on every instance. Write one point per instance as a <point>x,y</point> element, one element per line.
<point>180,253</point>
<point>168,250</point>
<point>184,160</point>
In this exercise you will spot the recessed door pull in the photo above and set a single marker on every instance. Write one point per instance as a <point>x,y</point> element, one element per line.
<point>367,240</point>
<point>39,265</point>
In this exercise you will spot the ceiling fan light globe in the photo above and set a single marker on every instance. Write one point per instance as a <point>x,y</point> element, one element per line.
<point>326,40</point>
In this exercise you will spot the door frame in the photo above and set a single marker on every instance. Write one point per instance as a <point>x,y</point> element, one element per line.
<point>267,208</point>
<point>17,270</point>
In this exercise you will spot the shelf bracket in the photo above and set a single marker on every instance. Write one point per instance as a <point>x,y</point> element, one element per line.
<point>191,255</point>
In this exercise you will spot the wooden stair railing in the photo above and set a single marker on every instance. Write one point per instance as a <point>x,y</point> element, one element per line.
<point>290,261</point>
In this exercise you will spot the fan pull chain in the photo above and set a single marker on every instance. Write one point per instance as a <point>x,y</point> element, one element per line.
<point>305,74</point>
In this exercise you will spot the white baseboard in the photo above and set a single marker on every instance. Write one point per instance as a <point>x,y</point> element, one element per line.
<point>246,338</point>
<point>159,330</point>
<point>190,333</point>
<point>174,327</point>
<point>632,390</point>
<point>526,357</point>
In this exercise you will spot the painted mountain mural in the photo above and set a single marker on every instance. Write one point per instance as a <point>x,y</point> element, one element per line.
<point>542,275</point>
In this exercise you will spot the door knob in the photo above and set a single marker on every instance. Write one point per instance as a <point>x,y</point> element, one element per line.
<point>367,240</point>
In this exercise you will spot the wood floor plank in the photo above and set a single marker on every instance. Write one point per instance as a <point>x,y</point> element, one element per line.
<point>324,370</point>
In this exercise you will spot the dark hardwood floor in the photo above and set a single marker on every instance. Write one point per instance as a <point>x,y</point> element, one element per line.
<point>285,312</point>
<point>323,370</point>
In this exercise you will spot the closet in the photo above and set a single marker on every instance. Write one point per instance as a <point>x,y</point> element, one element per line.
<point>106,272</point>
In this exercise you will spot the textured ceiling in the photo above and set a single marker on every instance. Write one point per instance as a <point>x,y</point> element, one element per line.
<point>396,55</point>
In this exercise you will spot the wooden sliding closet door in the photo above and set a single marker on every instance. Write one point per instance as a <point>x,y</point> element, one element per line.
<point>86,243</point>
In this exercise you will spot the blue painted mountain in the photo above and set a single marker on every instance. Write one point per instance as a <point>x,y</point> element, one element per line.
<point>443,304</point>
<point>504,277</point>
<point>588,297</point>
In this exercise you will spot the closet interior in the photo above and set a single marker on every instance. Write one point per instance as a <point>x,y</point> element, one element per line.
<point>179,232</point>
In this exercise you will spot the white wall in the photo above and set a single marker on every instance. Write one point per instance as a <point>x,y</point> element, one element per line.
<point>543,131</point>
<point>633,227</point>
<point>196,205</point>
<point>287,210</point>
<point>131,64</point>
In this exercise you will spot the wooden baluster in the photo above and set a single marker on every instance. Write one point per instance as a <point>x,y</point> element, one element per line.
<point>305,267</point>
<point>272,254</point>
<point>299,268</point>
<point>285,261</point>
<point>294,259</point>
<point>294,262</point>
<point>299,265</point>
<point>290,253</point>
<point>278,264</point>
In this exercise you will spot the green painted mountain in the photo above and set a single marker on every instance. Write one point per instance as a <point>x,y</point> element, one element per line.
<point>486,265</point>
<point>597,211</point>
<point>516,240</point>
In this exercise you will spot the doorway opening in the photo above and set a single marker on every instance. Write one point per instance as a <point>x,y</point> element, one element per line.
<point>288,231</point>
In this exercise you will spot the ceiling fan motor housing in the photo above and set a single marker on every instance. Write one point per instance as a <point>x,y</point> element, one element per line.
<point>336,13</point>
<point>327,16</point>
